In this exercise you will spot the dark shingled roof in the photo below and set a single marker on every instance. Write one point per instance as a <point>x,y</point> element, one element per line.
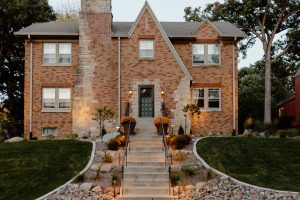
<point>121,29</point>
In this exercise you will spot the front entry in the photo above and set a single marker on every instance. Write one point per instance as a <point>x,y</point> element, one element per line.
<point>146,101</point>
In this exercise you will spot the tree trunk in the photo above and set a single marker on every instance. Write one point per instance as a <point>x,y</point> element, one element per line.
<point>268,97</point>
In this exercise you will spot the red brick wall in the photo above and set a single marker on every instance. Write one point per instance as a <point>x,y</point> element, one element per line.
<point>46,76</point>
<point>212,76</point>
<point>297,99</point>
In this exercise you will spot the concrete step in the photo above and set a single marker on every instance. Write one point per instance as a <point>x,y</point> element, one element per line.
<point>146,164</point>
<point>145,197</point>
<point>145,175</point>
<point>131,158</point>
<point>146,148</point>
<point>146,144</point>
<point>147,183</point>
<point>150,153</point>
<point>145,169</point>
<point>145,190</point>
<point>146,138</point>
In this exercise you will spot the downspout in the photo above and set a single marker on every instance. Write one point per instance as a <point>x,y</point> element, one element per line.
<point>30,90</point>
<point>233,86</point>
<point>119,80</point>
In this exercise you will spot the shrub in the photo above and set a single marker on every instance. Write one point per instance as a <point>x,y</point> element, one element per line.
<point>163,120</point>
<point>209,174</point>
<point>248,123</point>
<point>50,137</point>
<point>116,177</point>
<point>107,158</point>
<point>189,171</point>
<point>287,133</point>
<point>113,144</point>
<point>127,119</point>
<point>179,156</point>
<point>175,178</point>
<point>71,136</point>
<point>179,141</point>
<point>259,126</point>
<point>180,130</point>
<point>79,179</point>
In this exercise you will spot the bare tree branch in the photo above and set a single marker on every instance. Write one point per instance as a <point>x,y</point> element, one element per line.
<point>283,51</point>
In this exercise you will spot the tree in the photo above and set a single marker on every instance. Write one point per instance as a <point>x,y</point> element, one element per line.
<point>251,89</point>
<point>4,119</point>
<point>67,13</point>
<point>101,115</point>
<point>264,20</point>
<point>14,15</point>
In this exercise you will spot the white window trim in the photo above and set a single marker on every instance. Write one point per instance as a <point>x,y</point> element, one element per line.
<point>56,109</point>
<point>206,108</point>
<point>49,128</point>
<point>206,56</point>
<point>146,57</point>
<point>57,64</point>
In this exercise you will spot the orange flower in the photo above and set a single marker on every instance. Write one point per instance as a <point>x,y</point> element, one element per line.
<point>163,120</point>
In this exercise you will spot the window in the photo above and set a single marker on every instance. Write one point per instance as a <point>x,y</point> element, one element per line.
<point>56,99</point>
<point>207,99</point>
<point>206,54</point>
<point>49,131</point>
<point>57,53</point>
<point>198,54</point>
<point>146,49</point>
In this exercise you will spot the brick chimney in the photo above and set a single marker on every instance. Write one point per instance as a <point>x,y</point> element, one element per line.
<point>297,97</point>
<point>93,87</point>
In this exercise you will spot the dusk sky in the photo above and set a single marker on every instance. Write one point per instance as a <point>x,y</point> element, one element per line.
<point>165,10</point>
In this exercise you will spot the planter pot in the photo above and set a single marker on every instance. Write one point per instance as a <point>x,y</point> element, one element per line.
<point>160,131</point>
<point>126,128</point>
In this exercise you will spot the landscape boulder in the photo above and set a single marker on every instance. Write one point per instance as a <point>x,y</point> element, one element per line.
<point>15,139</point>
<point>85,186</point>
<point>109,136</point>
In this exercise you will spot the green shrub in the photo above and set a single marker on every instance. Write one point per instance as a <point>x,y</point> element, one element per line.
<point>180,130</point>
<point>259,126</point>
<point>287,133</point>
<point>107,158</point>
<point>113,144</point>
<point>79,179</point>
<point>50,137</point>
<point>71,136</point>
<point>175,178</point>
<point>179,156</point>
<point>116,177</point>
<point>189,171</point>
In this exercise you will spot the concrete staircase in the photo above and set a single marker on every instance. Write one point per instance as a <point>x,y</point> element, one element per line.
<point>145,176</point>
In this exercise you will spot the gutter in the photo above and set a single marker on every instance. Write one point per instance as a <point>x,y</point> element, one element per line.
<point>233,85</point>
<point>30,90</point>
<point>119,80</point>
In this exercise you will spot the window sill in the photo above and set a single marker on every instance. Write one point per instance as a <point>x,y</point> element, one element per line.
<point>56,111</point>
<point>206,65</point>
<point>142,59</point>
<point>57,65</point>
<point>211,110</point>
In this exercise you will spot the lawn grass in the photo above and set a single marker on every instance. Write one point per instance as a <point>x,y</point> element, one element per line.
<point>266,162</point>
<point>31,169</point>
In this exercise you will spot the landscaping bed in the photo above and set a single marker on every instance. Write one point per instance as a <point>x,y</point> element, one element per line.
<point>266,162</point>
<point>31,169</point>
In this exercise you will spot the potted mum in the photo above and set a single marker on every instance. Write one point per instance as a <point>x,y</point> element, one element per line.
<point>165,121</point>
<point>125,123</point>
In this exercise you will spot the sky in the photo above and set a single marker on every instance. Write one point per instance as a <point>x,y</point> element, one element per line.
<point>165,10</point>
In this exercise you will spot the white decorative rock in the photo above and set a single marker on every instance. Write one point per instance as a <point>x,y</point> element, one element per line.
<point>106,168</point>
<point>200,185</point>
<point>97,189</point>
<point>176,168</point>
<point>14,139</point>
<point>85,186</point>
<point>109,136</point>
<point>96,167</point>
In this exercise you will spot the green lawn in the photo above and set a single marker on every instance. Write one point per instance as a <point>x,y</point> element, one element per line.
<point>272,163</point>
<point>31,169</point>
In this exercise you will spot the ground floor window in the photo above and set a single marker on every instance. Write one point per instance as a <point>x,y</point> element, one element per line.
<point>49,131</point>
<point>207,98</point>
<point>56,99</point>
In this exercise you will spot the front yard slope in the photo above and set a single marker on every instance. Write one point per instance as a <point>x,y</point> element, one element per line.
<point>266,162</point>
<point>31,169</point>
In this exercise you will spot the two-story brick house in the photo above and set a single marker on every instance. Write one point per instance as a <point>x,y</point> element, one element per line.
<point>72,68</point>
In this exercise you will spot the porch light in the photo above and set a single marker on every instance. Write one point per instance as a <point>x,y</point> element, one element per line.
<point>162,92</point>
<point>130,92</point>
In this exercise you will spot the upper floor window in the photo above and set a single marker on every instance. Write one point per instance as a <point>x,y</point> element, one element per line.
<point>206,54</point>
<point>146,49</point>
<point>207,98</point>
<point>56,99</point>
<point>57,53</point>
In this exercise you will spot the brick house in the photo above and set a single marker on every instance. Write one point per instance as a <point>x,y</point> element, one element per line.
<point>291,106</point>
<point>72,68</point>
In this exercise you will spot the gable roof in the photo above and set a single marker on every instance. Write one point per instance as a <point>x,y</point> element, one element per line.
<point>165,36</point>
<point>121,29</point>
<point>207,21</point>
